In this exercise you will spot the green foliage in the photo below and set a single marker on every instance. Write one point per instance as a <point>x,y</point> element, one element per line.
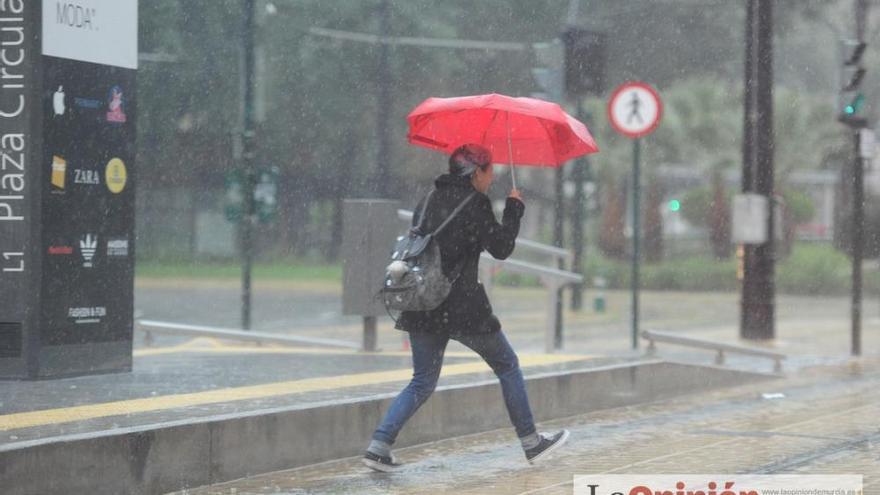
<point>805,132</point>
<point>691,274</point>
<point>814,269</point>
<point>687,274</point>
<point>695,206</point>
<point>800,205</point>
<point>702,123</point>
<point>811,270</point>
<point>318,95</point>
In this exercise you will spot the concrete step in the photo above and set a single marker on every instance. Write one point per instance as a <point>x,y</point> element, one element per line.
<point>191,452</point>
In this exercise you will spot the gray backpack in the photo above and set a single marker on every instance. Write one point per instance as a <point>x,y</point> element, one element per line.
<point>414,280</point>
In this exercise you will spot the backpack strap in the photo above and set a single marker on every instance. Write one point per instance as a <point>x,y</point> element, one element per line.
<point>418,227</point>
<point>452,215</point>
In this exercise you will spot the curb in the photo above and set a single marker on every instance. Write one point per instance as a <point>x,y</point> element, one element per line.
<point>172,456</point>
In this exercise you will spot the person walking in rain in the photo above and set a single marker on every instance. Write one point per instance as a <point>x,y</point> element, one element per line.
<point>466,314</point>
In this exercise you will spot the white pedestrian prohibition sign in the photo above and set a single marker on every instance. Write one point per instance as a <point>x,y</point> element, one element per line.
<point>635,109</point>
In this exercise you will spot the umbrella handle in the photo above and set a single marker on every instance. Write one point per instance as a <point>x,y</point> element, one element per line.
<point>510,152</point>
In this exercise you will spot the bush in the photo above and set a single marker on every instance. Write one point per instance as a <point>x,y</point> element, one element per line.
<point>695,204</point>
<point>800,205</point>
<point>814,269</point>
<point>691,274</point>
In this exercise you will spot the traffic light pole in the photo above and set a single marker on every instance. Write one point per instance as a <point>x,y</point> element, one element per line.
<point>858,244</point>
<point>250,176</point>
<point>858,215</point>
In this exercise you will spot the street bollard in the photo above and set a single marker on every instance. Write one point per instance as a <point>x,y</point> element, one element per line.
<point>599,299</point>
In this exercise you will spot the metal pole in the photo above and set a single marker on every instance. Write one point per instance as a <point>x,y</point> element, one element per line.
<point>370,334</point>
<point>759,316</point>
<point>858,217</point>
<point>578,217</point>
<point>858,244</point>
<point>383,113</point>
<point>636,226</point>
<point>747,296</point>
<point>558,239</point>
<point>246,227</point>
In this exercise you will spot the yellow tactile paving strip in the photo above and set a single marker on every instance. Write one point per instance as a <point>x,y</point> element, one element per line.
<point>134,406</point>
<point>216,346</point>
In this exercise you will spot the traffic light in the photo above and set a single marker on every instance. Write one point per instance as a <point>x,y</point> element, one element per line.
<point>548,75</point>
<point>585,56</point>
<point>855,105</point>
<point>852,75</point>
<point>674,205</point>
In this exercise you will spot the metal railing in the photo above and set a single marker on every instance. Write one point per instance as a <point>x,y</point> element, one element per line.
<point>653,336</point>
<point>551,278</point>
<point>556,253</point>
<point>151,327</point>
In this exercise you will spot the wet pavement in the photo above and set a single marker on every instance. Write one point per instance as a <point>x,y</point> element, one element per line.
<point>179,378</point>
<point>204,378</point>
<point>825,422</point>
<point>314,310</point>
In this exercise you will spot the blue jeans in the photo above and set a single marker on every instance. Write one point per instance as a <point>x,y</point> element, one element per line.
<point>427,354</point>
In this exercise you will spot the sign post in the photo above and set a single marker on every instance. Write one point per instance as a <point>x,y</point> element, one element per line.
<point>634,111</point>
<point>67,183</point>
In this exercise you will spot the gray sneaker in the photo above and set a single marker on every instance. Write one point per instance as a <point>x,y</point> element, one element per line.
<point>376,462</point>
<point>546,445</point>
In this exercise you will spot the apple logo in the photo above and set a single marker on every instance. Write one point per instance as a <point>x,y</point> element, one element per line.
<point>58,101</point>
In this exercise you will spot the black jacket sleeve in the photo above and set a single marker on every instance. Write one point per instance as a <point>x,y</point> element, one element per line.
<point>497,238</point>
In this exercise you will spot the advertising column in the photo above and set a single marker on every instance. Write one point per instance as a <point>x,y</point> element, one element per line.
<point>79,314</point>
<point>89,61</point>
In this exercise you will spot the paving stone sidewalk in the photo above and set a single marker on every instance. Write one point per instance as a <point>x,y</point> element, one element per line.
<point>825,422</point>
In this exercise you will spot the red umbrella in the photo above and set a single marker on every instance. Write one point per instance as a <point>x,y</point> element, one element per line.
<point>518,131</point>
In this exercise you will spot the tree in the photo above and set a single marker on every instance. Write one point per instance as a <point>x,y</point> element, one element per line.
<point>612,239</point>
<point>719,219</point>
<point>797,208</point>
<point>653,226</point>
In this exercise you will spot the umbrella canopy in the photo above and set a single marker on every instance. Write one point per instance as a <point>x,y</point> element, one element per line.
<point>518,131</point>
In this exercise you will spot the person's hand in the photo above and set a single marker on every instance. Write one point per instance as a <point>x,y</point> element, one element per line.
<point>515,194</point>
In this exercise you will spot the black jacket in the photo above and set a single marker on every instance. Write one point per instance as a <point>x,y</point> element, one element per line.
<point>467,309</point>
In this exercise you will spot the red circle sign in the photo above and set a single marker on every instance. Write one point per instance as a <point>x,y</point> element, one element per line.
<point>634,109</point>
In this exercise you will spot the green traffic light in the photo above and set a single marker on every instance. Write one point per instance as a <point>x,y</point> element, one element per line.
<point>674,205</point>
<point>855,105</point>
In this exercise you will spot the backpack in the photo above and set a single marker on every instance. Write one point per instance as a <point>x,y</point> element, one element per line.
<point>414,280</point>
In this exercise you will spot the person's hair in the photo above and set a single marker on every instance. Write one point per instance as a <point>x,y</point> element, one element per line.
<point>466,158</point>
